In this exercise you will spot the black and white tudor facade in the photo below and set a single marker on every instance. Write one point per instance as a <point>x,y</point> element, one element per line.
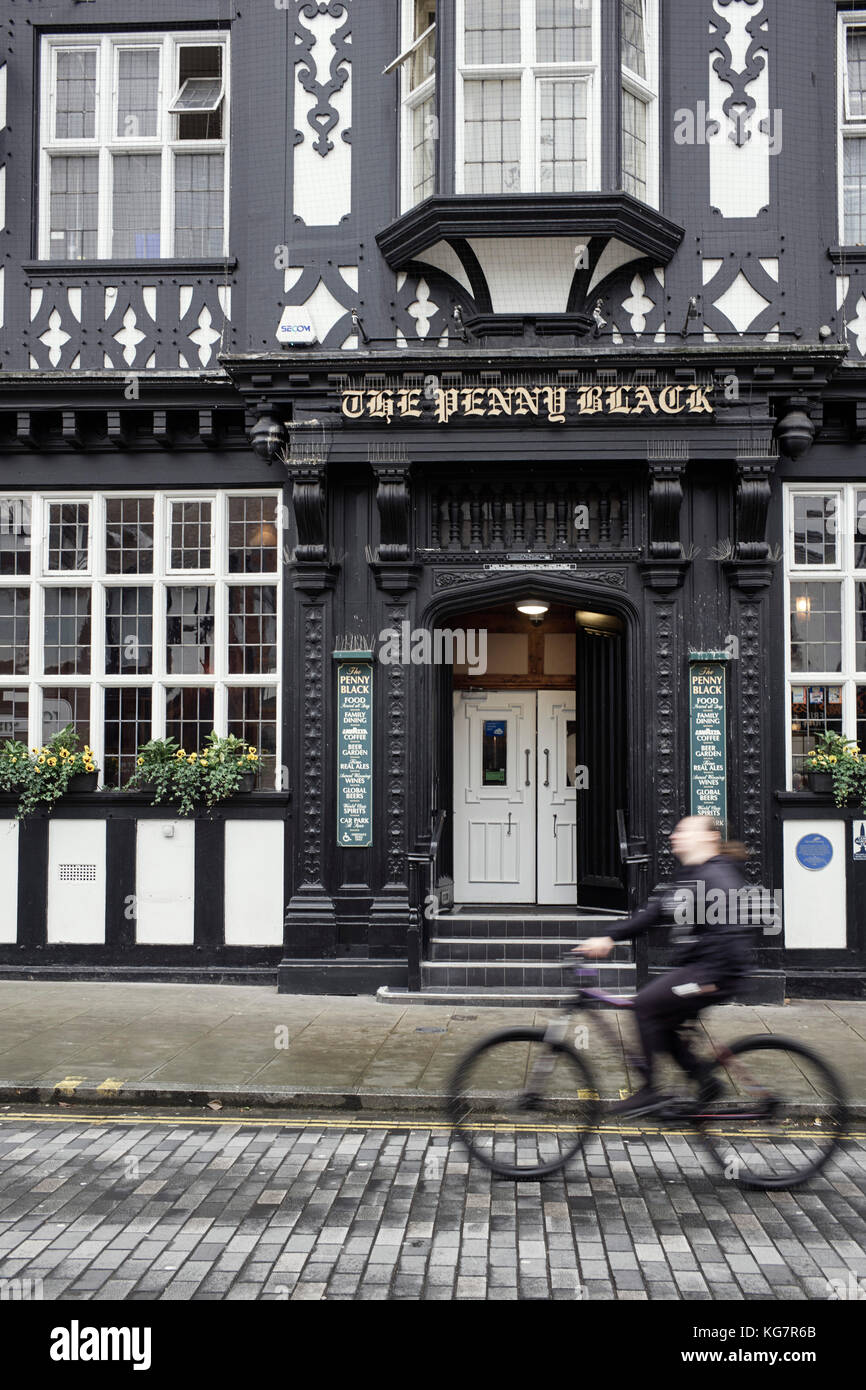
<point>333,326</point>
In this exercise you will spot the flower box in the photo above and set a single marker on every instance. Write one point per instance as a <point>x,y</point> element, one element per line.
<point>820,782</point>
<point>83,782</point>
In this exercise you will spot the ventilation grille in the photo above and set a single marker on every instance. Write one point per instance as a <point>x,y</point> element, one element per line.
<point>77,872</point>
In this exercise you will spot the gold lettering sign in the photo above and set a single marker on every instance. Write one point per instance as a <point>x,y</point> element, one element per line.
<point>523,403</point>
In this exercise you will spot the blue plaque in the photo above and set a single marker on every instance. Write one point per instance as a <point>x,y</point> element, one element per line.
<point>814,852</point>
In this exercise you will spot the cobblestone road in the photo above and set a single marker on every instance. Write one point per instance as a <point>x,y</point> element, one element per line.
<point>169,1208</point>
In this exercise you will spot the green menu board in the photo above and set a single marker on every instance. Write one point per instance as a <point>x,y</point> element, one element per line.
<point>708,751</point>
<point>354,753</point>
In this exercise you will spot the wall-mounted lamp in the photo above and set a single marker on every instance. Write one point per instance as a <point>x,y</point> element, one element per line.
<point>803,606</point>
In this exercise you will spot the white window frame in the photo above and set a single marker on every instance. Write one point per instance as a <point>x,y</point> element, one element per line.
<point>853,19</point>
<point>530,72</point>
<point>410,100</point>
<point>105,143</point>
<point>160,680</point>
<point>847,577</point>
<point>647,91</point>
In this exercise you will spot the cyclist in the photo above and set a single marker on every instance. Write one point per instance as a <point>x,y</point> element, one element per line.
<point>712,956</point>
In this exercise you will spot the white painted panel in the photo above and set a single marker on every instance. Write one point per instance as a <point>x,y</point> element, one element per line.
<point>76,881</point>
<point>165,883</point>
<point>444,257</point>
<point>9,879</point>
<point>322,191</point>
<point>739,174</point>
<point>814,903</point>
<point>527,275</point>
<point>254,883</point>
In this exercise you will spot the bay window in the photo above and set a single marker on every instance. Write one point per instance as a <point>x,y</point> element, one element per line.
<point>852,131</point>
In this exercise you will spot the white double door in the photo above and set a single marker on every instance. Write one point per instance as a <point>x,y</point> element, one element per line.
<point>515,824</point>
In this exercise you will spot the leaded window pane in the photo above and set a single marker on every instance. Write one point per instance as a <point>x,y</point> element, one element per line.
<point>492,33</point>
<point>129,535</point>
<point>73,207</point>
<point>190,547</point>
<point>128,631</point>
<point>253,535</point>
<point>62,705</point>
<point>137,92</point>
<point>15,534</point>
<point>860,530</point>
<point>492,110</point>
<point>854,188</point>
<point>128,719</point>
<point>189,715</point>
<point>633,31</point>
<point>634,145</point>
<point>75,106</point>
<point>14,714</point>
<point>253,629</point>
<point>563,132</point>
<point>563,31</point>
<point>67,632</point>
<point>68,536</point>
<point>815,709</point>
<point>856,50</point>
<point>253,717</point>
<point>816,527</point>
<point>423,149</point>
<point>14,631</point>
<point>816,627</point>
<point>198,204</point>
<point>189,629</point>
<point>136,205</point>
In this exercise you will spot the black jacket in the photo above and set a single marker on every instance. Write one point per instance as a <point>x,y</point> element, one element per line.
<point>705,909</point>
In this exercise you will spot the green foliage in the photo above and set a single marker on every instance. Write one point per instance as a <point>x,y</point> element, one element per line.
<point>188,779</point>
<point>42,775</point>
<point>840,757</point>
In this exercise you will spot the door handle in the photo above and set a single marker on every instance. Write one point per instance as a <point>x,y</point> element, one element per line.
<point>527,768</point>
<point>554,825</point>
<point>547,767</point>
<point>508,831</point>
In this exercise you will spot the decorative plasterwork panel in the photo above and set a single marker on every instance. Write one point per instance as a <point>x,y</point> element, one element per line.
<point>322,185</point>
<point>133,326</point>
<point>741,296</point>
<point>851,309</point>
<point>635,306</point>
<point>741,132</point>
<point>422,307</point>
<point>328,293</point>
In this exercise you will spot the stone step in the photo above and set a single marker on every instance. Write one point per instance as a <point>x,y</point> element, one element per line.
<point>538,975</point>
<point>531,949</point>
<point>556,924</point>
<point>517,997</point>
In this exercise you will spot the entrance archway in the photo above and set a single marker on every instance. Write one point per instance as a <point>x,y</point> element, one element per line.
<point>549,729</point>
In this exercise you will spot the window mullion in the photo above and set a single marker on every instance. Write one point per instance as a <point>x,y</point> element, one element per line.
<point>166,197</point>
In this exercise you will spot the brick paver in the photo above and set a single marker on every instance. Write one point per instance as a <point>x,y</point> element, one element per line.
<point>162,1209</point>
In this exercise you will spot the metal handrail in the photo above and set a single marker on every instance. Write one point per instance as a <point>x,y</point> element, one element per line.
<point>625,857</point>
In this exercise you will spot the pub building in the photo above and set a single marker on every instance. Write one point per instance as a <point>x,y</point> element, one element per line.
<point>463,401</point>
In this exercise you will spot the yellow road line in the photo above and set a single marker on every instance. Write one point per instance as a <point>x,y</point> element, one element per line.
<point>360,1122</point>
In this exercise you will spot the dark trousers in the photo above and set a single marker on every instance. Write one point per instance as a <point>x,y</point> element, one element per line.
<point>660,1013</point>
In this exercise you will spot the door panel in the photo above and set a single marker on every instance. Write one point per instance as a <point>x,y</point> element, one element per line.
<point>557,797</point>
<point>494,797</point>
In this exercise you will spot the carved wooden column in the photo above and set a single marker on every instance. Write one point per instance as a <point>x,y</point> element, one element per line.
<point>663,579</point>
<point>754,491</point>
<point>310,926</point>
<point>396,576</point>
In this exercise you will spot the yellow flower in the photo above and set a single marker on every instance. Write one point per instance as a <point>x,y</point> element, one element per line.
<point>52,762</point>
<point>42,758</point>
<point>37,770</point>
<point>192,757</point>
<point>140,761</point>
<point>832,757</point>
<point>14,760</point>
<point>252,748</point>
<point>252,757</point>
<point>88,767</point>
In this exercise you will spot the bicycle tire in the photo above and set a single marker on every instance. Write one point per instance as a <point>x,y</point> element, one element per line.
<point>823,1117</point>
<point>470,1109</point>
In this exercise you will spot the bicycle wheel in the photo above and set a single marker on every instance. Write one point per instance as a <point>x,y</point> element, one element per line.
<point>522,1101</point>
<point>779,1116</point>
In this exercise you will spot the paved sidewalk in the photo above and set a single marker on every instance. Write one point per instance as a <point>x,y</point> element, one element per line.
<point>162,1044</point>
